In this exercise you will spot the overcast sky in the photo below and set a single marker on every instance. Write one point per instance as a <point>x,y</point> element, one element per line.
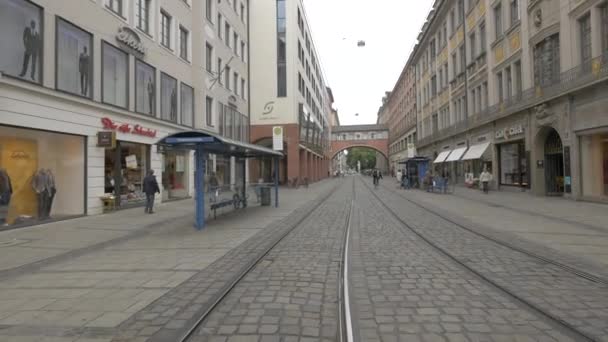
<point>357,76</point>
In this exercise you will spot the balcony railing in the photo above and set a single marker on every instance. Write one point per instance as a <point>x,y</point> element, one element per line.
<point>583,75</point>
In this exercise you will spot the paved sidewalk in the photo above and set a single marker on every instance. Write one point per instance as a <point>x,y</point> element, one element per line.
<point>78,280</point>
<point>579,229</point>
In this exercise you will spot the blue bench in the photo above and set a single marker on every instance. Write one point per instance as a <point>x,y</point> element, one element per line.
<point>219,205</point>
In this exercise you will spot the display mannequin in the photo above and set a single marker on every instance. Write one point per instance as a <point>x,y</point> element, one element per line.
<point>39,183</point>
<point>6,191</point>
<point>51,190</point>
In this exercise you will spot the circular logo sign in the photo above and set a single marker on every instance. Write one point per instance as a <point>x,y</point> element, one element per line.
<point>278,131</point>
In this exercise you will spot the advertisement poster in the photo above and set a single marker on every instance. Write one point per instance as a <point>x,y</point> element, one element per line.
<point>131,162</point>
<point>180,164</point>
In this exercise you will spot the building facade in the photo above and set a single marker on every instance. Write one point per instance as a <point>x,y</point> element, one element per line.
<point>86,92</point>
<point>514,86</point>
<point>288,89</point>
<point>401,121</point>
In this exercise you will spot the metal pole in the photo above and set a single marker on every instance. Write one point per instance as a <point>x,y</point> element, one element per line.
<point>244,182</point>
<point>199,182</point>
<point>276,182</point>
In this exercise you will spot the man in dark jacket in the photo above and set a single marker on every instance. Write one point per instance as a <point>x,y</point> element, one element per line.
<point>150,188</point>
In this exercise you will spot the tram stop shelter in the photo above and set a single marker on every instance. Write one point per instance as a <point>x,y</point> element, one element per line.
<point>205,143</point>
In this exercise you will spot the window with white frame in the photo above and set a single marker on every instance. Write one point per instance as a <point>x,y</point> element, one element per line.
<point>585,34</point>
<point>208,57</point>
<point>187,105</point>
<point>115,6</point>
<point>115,69</point>
<point>183,43</point>
<point>209,10</point>
<point>235,82</point>
<point>165,29</point>
<point>219,71</point>
<point>209,111</point>
<point>142,15</point>
<point>235,45</point>
<point>514,6</point>
<point>168,97</point>
<point>227,77</point>
<point>498,20</point>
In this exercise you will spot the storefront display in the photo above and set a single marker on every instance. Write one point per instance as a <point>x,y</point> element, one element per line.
<point>125,169</point>
<point>175,175</point>
<point>513,164</point>
<point>41,176</point>
<point>594,165</point>
<point>74,59</point>
<point>22,35</point>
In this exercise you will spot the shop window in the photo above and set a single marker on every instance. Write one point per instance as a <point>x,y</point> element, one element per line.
<point>187,105</point>
<point>22,35</point>
<point>74,59</point>
<point>115,70</point>
<point>125,169</point>
<point>594,165</point>
<point>145,88</point>
<point>513,164</point>
<point>175,178</point>
<point>168,98</point>
<point>42,176</point>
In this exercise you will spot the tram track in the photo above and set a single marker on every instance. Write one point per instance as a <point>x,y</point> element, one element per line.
<point>524,302</point>
<point>570,269</point>
<point>343,329</point>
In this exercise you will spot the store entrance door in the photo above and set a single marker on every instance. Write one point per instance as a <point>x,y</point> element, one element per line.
<point>554,165</point>
<point>125,169</point>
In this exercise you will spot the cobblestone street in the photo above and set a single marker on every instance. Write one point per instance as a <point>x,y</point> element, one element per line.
<point>416,272</point>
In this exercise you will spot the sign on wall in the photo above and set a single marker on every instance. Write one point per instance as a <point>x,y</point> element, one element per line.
<point>277,138</point>
<point>127,128</point>
<point>106,139</point>
<point>507,133</point>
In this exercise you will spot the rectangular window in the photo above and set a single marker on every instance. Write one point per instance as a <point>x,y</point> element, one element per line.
<point>242,13</point>
<point>74,59</point>
<point>235,45</point>
<point>463,59</point>
<point>243,88</point>
<point>513,164</point>
<point>514,6</point>
<point>472,46</point>
<point>281,49</point>
<point>168,98</point>
<point>499,87</point>
<point>243,51</point>
<point>115,68</point>
<point>498,20</point>
<point>115,6</point>
<point>219,71</point>
<point>209,111</point>
<point>484,88</point>
<point>482,37</point>
<point>227,77</point>
<point>604,19</point>
<point>209,9</point>
<point>227,33</point>
<point>454,66</point>
<point>142,15</point>
<point>145,88</point>
<point>452,22</point>
<point>220,119</point>
<point>165,29</point>
<point>585,29</point>
<point>183,43</point>
<point>22,41</point>
<point>509,82</point>
<point>518,80</point>
<point>187,105</point>
<point>235,83</point>
<point>219,26</point>
<point>208,57</point>
<point>547,61</point>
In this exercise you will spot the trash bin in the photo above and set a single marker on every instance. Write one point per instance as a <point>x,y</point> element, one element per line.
<point>265,196</point>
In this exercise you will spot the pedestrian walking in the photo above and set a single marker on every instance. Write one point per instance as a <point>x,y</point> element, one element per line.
<point>150,189</point>
<point>485,178</point>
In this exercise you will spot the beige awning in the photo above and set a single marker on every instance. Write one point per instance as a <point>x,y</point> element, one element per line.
<point>476,151</point>
<point>442,157</point>
<point>456,154</point>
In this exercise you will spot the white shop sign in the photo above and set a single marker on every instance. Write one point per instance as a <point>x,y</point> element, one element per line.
<point>506,133</point>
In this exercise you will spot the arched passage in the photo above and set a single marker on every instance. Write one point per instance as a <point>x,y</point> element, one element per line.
<point>549,148</point>
<point>381,157</point>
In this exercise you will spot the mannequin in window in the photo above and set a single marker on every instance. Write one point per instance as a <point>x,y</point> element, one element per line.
<point>31,42</point>
<point>151,95</point>
<point>52,190</point>
<point>173,109</point>
<point>6,191</point>
<point>83,68</point>
<point>39,184</point>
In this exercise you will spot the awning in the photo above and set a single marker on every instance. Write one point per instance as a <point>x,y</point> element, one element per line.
<point>442,157</point>
<point>216,144</point>
<point>456,154</point>
<point>476,151</point>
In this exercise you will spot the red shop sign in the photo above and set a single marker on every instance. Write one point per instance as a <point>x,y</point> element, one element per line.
<point>127,128</point>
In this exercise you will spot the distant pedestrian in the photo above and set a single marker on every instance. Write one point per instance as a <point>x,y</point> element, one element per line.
<point>485,178</point>
<point>150,189</point>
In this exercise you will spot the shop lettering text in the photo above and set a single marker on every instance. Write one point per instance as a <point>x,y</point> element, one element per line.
<point>127,128</point>
<point>506,133</point>
<point>131,39</point>
<point>20,155</point>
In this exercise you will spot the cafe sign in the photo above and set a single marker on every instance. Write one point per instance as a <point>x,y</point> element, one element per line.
<point>131,39</point>
<point>111,125</point>
<point>507,133</point>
